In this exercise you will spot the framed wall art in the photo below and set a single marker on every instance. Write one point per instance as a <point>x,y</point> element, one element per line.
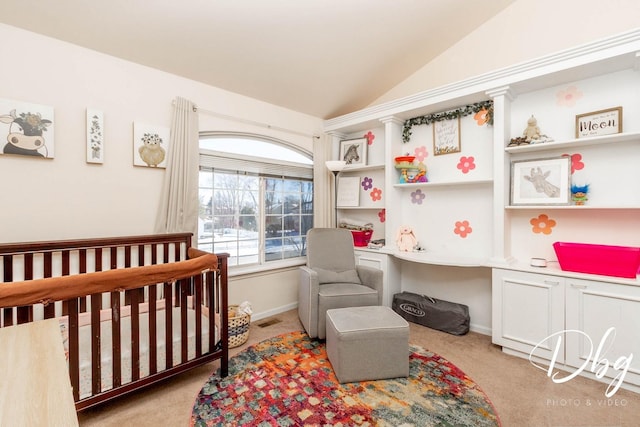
<point>541,181</point>
<point>446,136</point>
<point>150,145</point>
<point>354,151</point>
<point>348,193</point>
<point>95,136</point>
<point>598,123</point>
<point>26,129</point>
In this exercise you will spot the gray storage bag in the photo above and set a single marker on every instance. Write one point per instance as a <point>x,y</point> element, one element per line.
<point>434,313</point>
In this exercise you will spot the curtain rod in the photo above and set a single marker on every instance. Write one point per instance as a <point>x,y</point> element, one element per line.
<point>249,122</point>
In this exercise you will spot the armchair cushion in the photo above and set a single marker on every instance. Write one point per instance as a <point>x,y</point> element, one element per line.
<point>330,276</point>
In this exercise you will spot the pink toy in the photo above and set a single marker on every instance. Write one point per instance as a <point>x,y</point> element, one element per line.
<point>405,239</point>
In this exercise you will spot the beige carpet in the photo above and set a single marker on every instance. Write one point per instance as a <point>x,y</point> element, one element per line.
<point>522,394</point>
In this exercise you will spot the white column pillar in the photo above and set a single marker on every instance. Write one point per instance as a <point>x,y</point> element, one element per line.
<point>393,206</point>
<point>502,98</point>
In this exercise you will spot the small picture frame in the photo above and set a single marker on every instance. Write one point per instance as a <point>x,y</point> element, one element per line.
<point>95,136</point>
<point>598,123</point>
<point>150,145</point>
<point>446,136</point>
<point>354,151</point>
<point>348,192</point>
<point>541,181</point>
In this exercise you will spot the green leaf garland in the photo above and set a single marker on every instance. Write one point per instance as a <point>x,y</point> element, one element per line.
<point>447,115</point>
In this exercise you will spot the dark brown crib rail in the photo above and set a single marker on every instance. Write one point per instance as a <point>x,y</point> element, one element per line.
<point>154,273</point>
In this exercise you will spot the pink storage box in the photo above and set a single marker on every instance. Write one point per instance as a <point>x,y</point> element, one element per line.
<point>617,261</point>
<point>361,238</point>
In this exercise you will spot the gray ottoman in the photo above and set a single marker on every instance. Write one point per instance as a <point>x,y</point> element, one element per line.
<point>367,343</point>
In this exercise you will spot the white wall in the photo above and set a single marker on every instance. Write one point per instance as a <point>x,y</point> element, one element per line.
<point>64,197</point>
<point>525,30</point>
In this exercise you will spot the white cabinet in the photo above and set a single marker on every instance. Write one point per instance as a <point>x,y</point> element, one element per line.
<point>388,265</point>
<point>607,316</point>
<point>589,327</point>
<point>527,308</point>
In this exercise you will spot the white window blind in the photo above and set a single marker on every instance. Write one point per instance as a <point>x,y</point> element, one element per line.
<point>214,160</point>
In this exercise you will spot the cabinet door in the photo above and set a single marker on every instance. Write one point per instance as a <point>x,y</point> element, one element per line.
<point>386,263</point>
<point>528,309</point>
<point>608,314</point>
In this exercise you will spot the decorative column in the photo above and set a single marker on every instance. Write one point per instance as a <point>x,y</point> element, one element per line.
<point>502,98</point>
<point>393,205</point>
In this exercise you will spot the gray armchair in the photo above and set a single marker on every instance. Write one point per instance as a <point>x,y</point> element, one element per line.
<point>331,279</point>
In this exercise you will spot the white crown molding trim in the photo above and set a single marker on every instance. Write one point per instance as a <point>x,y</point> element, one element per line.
<point>621,44</point>
<point>501,91</point>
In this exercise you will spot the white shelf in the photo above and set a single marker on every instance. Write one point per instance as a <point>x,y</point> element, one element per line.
<point>582,142</point>
<point>444,183</point>
<point>441,259</point>
<point>377,208</point>
<point>350,168</point>
<point>571,207</point>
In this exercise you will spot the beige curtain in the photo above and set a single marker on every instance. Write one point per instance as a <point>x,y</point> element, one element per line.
<point>322,183</point>
<point>178,211</point>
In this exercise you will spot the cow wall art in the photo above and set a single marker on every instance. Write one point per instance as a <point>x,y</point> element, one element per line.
<point>26,129</point>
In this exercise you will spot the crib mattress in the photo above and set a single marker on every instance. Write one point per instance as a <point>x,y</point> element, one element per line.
<point>106,346</point>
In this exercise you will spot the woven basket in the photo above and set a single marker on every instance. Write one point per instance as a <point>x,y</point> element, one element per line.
<point>238,327</point>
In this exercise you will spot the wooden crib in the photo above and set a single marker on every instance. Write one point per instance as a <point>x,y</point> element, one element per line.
<point>132,310</point>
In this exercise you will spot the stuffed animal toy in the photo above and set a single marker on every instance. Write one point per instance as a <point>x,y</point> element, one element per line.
<point>532,132</point>
<point>405,239</point>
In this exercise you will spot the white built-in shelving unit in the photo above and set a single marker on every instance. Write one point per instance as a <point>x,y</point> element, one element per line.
<point>503,291</point>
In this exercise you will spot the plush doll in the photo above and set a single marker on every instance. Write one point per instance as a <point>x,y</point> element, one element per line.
<point>532,131</point>
<point>405,239</point>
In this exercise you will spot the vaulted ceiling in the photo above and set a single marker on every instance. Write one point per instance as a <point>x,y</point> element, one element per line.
<point>320,57</point>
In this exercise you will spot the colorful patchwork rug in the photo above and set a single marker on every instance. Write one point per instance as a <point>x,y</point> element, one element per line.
<point>288,381</point>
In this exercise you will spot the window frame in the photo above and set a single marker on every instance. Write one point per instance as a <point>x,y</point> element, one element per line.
<point>254,167</point>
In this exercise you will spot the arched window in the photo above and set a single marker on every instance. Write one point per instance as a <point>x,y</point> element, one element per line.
<point>256,198</point>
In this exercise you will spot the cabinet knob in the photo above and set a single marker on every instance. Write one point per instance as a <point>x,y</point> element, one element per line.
<point>576,286</point>
<point>552,282</point>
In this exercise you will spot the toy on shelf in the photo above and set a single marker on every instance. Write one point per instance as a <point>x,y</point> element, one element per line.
<point>531,135</point>
<point>409,171</point>
<point>579,194</point>
<point>405,239</point>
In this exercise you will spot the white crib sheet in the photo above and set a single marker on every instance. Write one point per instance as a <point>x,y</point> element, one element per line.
<point>106,346</point>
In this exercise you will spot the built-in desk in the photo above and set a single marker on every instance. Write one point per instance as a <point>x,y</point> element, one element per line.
<point>35,389</point>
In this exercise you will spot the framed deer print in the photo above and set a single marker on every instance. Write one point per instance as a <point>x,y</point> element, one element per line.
<point>354,151</point>
<point>541,181</point>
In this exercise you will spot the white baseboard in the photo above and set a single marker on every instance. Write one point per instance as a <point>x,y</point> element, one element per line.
<point>264,314</point>
<point>273,312</point>
<point>480,329</point>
